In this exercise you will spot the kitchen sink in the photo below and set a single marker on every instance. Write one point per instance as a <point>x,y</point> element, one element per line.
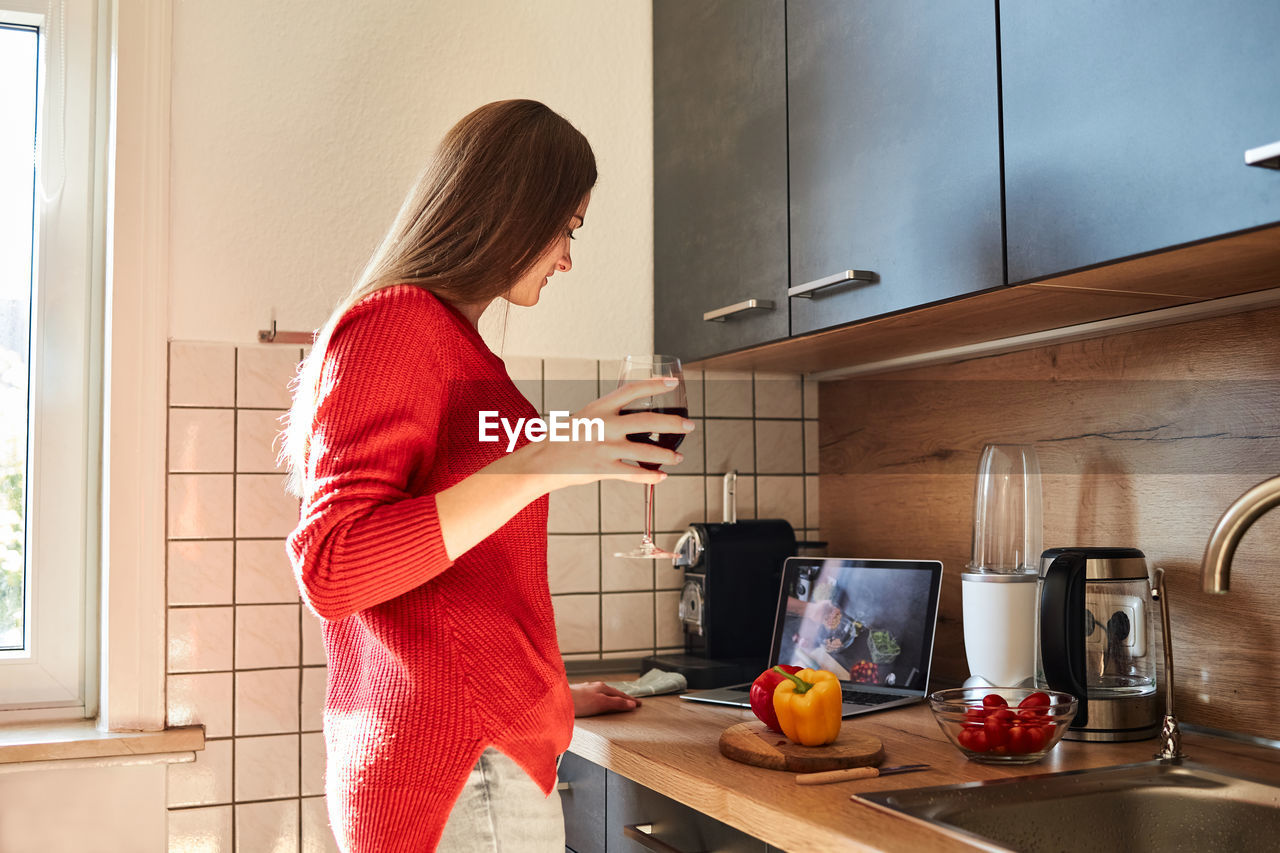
<point>1153,806</point>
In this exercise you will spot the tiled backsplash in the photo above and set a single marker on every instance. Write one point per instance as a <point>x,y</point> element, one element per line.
<point>765,427</point>
<point>246,659</point>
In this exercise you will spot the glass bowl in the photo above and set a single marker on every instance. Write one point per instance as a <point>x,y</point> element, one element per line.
<point>1015,726</point>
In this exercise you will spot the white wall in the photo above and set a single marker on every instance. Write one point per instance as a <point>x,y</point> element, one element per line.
<point>113,809</point>
<point>298,126</point>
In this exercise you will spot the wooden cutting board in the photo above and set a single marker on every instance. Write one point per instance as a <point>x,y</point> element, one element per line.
<point>753,743</point>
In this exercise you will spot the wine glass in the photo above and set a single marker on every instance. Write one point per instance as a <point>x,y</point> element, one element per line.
<point>636,368</point>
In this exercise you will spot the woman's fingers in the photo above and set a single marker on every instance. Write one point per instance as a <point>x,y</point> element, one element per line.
<point>598,698</point>
<point>654,422</point>
<point>613,691</point>
<point>609,458</point>
<point>609,703</point>
<point>634,474</point>
<point>635,451</point>
<point>619,397</point>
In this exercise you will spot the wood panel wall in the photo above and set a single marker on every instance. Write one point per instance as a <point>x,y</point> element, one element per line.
<point>1144,439</point>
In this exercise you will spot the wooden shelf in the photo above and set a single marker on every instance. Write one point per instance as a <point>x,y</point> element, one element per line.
<point>1244,262</point>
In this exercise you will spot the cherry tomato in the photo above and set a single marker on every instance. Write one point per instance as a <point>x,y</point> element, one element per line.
<point>1020,740</point>
<point>1033,717</point>
<point>978,741</point>
<point>965,737</point>
<point>997,725</point>
<point>1025,739</point>
<point>1038,700</point>
<point>994,700</point>
<point>975,715</point>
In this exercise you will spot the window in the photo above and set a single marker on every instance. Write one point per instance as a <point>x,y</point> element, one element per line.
<point>50,343</point>
<point>18,63</point>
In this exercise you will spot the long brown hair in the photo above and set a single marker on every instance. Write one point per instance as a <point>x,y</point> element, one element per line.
<point>503,184</point>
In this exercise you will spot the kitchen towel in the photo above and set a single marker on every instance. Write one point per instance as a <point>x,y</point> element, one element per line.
<point>655,682</point>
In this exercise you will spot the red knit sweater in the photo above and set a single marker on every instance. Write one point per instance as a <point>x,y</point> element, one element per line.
<point>430,661</point>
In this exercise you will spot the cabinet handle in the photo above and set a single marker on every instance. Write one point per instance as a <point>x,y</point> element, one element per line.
<point>564,786</point>
<point>721,314</point>
<point>642,834</point>
<point>1266,156</point>
<point>809,288</point>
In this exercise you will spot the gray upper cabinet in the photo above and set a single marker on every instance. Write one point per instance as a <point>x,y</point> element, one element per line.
<point>1126,126</point>
<point>720,173</point>
<point>894,154</point>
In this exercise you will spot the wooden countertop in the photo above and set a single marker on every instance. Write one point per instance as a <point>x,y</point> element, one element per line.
<point>671,746</point>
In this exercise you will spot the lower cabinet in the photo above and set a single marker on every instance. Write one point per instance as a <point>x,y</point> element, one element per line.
<point>582,793</point>
<point>607,812</point>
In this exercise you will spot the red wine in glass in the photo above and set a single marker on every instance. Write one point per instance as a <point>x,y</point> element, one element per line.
<point>669,440</point>
<point>672,401</point>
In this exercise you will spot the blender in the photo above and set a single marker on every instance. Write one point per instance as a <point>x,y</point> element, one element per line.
<point>999,594</point>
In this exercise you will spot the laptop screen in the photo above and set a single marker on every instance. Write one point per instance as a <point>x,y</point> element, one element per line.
<point>868,621</point>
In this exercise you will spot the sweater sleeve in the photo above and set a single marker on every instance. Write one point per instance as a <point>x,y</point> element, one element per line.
<point>363,539</point>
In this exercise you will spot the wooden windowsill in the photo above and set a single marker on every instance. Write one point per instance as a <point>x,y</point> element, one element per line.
<point>80,739</point>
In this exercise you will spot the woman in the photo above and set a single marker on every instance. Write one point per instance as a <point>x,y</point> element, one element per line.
<point>424,549</point>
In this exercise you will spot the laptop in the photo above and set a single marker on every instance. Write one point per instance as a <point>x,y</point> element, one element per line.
<point>871,622</point>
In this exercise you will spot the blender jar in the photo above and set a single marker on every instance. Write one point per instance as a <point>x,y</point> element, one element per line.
<point>998,587</point>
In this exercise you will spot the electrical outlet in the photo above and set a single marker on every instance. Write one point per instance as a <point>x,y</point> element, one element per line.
<point>1133,608</point>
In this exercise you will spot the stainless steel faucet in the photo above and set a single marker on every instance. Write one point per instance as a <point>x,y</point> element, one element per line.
<point>1215,569</point>
<point>1215,573</point>
<point>1170,733</point>
<point>1215,576</point>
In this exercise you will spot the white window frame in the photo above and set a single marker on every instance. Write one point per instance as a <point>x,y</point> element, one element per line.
<point>54,676</point>
<point>122,578</point>
<point>135,369</point>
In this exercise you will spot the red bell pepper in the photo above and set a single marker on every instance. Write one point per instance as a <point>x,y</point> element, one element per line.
<point>762,695</point>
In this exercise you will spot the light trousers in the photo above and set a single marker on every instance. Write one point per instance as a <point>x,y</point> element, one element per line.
<point>502,810</point>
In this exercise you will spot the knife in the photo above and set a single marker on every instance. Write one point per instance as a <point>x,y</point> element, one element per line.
<point>855,773</point>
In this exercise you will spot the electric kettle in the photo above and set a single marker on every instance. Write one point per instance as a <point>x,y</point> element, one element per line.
<point>1095,640</point>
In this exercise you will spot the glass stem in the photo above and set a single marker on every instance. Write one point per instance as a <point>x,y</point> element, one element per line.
<point>648,515</point>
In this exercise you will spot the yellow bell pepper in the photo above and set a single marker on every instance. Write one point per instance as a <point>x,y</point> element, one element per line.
<point>808,705</point>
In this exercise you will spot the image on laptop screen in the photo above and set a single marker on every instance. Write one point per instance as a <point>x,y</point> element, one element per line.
<point>867,623</point>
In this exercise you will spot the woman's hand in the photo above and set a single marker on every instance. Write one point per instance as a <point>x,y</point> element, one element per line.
<point>596,697</point>
<point>570,463</point>
<point>475,507</point>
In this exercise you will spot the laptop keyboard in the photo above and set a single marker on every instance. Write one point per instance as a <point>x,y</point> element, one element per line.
<point>853,697</point>
<point>859,697</point>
